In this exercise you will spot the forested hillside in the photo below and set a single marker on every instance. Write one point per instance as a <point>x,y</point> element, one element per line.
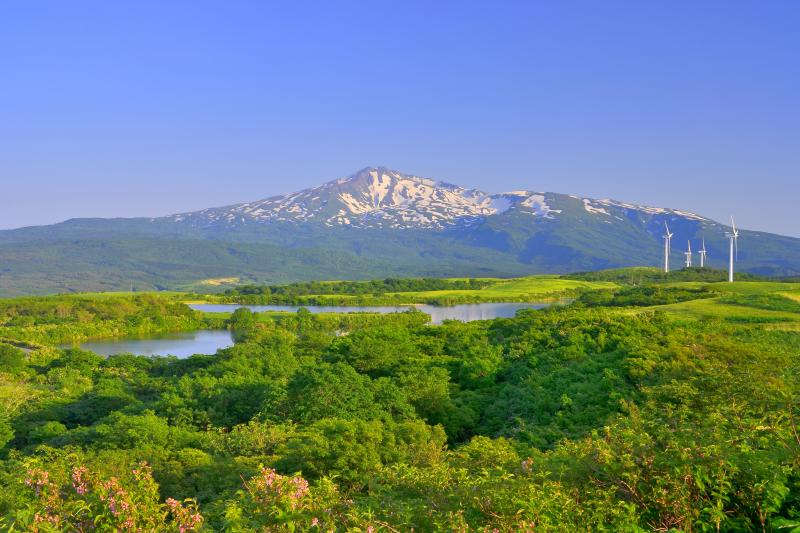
<point>638,407</point>
<point>375,223</point>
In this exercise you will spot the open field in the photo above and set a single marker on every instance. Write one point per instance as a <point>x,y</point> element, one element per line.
<point>713,308</point>
<point>746,302</point>
<point>515,289</point>
<point>524,289</point>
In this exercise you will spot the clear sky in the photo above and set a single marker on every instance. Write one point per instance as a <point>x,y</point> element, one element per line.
<point>147,108</point>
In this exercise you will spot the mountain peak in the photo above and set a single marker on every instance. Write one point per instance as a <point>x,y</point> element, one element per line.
<point>380,197</point>
<point>377,175</point>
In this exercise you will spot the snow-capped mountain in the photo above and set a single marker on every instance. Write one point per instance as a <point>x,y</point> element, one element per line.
<point>375,223</point>
<point>377,197</point>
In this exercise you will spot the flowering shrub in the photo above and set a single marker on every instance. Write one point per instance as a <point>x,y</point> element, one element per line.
<point>185,518</point>
<point>273,490</point>
<point>274,502</point>
<point>79,499</point>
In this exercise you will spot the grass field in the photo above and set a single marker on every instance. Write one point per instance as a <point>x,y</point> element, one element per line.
<point>792,294</point>
<point>743,302</point>
<point>533,287</point>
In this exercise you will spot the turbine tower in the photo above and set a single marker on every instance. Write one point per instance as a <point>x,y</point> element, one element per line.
<point>703,253</point>
<point>688,254</point>
<point>733,236</point>
<point>667,239</point>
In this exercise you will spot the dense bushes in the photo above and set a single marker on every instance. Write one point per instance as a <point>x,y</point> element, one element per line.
<point>771,302</point>
<point>643,296</point>
<point>65,319</point>
<point>287,294</point>
<point>574,418</point>
<point>648,275</point>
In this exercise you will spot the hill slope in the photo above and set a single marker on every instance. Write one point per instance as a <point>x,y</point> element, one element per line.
<point>378,222</point>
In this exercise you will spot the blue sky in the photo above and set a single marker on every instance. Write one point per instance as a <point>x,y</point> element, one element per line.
<point>149,108</point>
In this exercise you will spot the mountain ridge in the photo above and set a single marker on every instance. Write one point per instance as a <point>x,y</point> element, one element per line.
<point>382,197</point>
<point>375,223</point>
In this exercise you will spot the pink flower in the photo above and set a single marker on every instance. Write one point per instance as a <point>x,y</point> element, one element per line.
<point>185,520</point>
<point>78,481</point>
<point>527,464</point>
<point>37,478</point>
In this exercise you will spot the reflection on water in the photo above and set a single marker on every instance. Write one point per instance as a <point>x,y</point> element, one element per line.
<point>181,345</point>
<point>209,341</point>
<point>470,312</point>
<point>463,312</point>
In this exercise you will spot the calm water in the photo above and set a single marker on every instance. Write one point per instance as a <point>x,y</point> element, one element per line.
<point>209,341</point>
<point>463,312</point>
<point>184,344</point>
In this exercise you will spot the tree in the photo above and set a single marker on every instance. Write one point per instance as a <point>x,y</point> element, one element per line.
<point>12,359</point>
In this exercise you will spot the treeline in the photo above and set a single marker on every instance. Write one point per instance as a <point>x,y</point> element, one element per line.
<point>643,296</point>
<point>566,419</point>
<point>75,309</point>
<point>242,321</point>
<point>287,294</point>
<point>648,275</point>
<point>73,318</point>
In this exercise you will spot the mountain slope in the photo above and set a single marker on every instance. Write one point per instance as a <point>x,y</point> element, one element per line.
<point>378,222</point>
<point>373,198</point>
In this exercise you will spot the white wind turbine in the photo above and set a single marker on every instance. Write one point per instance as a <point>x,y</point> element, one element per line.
<point>733,236</point>
<point>667,239</point>
<point>688,254</point>
<point>703,253</point>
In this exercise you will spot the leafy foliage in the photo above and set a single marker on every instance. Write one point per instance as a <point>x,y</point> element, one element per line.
<point>644,296</point>
<point>287,294</point>
<point>649,275</point>
<point>596,416</point>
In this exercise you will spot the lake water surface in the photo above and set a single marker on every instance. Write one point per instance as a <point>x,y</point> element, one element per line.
<point>463,312</point>
<point>209,341</point>
<point>183,344</point>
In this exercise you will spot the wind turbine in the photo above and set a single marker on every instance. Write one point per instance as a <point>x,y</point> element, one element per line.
<point>733,236</point>
<point>688,254</point>
<point>667,239</point>
<point>703,253</point>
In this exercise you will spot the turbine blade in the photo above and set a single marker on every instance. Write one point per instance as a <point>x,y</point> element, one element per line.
<point>733,226</point>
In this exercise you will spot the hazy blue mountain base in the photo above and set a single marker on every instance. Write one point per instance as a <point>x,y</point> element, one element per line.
<point>376,223</point>
<point>56,259</point>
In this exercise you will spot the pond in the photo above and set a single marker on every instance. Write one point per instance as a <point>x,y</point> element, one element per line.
<point>183,344</point>
<point>208,341</point>
<point>463,312</point>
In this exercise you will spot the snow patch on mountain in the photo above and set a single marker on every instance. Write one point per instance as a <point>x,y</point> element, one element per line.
<point>500,204</point>
<point>538,205</point>
<point>687,214</point>
<point>384,198</point>
<point>606,206</point>
<point>587,205</point>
